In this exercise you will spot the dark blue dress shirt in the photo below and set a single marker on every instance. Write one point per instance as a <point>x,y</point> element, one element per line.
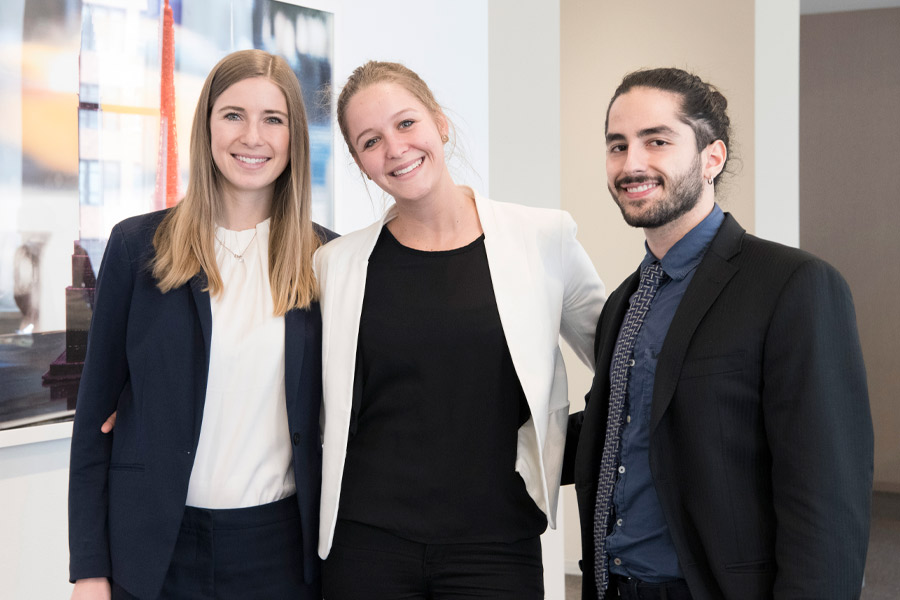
<point>640,545</point>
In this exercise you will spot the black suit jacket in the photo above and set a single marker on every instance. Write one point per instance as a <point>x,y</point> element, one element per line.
<point>148,358</point>
<point>761,444</point>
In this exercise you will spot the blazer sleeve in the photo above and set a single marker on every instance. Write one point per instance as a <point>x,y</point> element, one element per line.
<point>103,380</point>
<point>819,427</point>
<point>583,294</point>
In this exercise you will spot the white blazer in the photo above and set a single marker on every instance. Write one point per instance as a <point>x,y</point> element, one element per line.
<point>545,286</point>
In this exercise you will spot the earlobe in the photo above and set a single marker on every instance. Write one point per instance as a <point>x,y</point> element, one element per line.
<point>443,127</point>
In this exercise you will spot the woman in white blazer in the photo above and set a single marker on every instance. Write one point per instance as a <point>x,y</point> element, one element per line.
<point>445,390</point>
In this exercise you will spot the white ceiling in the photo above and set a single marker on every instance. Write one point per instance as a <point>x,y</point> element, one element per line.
<point>809,7</point>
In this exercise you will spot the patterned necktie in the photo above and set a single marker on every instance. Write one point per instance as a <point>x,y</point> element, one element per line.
<point>621,362</point>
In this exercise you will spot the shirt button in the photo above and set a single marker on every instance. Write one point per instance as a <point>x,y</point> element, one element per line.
<point>296,439</point>
<point>628,419</point>
<point>617,561</point>
<point>619,522</point>
<point>621,469</point>
<point>630,363</point>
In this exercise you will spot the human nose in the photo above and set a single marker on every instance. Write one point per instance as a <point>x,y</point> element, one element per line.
<point>250,136</point>
<point>635,160</point>
<point>394,145</point>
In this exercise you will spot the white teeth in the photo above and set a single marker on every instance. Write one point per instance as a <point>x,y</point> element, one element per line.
<point>250,161</point>
<point>641,188</point>
<point>409,168</point>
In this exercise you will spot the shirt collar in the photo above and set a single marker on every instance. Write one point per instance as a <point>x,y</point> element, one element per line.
<point>687,252</point>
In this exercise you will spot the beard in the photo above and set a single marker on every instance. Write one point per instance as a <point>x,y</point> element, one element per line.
<point>682,193</point>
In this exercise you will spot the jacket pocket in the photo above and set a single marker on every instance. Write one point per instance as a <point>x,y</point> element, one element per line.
<point>714,365</point>
<point>125,467</point>
<point>753,566</point>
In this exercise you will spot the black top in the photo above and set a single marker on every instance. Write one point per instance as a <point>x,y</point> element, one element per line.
<point>437,403</point>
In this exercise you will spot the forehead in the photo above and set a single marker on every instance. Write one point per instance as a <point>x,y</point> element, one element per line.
<point>380,101</point>
<point>253,91</point>
<point>644,108</point>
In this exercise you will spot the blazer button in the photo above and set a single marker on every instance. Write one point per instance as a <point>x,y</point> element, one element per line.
<point>296,439</point>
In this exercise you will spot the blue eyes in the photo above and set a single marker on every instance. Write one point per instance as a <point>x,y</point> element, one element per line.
<point>404,124</point>
<point>272,120</point>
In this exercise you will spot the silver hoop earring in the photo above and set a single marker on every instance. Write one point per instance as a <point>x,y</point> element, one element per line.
<point>709,181</point>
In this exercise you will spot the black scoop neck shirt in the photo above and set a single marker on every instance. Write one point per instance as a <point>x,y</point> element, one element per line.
<point>437,403</point>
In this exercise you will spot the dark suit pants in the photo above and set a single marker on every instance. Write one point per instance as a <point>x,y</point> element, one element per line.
<point>242,553</point>
<point>374,564</point>
<point>633,589</point>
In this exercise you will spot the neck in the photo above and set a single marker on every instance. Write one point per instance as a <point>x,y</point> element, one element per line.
<point>445,220</point>
<point>246,211</point>
<point>661,239</point>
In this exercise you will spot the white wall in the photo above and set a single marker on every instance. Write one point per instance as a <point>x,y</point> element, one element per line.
<point>777,120</point>
<point>34,553</point>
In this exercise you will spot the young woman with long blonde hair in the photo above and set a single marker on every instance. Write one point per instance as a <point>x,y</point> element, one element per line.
<point>206,340</point>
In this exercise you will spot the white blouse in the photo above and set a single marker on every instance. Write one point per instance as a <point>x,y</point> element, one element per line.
<point>244,454</point>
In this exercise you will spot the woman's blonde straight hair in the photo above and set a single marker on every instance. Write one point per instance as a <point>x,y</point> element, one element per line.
<point>184,241</point>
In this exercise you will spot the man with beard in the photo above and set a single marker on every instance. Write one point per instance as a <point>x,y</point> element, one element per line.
<point>726,447</point>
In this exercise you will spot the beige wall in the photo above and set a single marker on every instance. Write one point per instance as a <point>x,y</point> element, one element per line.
<point>850,190</point>
<point>599,43</point>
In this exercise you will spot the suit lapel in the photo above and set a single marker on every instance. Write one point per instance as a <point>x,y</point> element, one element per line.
<point>204,315</point>
<point>713,274</point>
<point>294,345</point>
<point>341,314</point>
<point>512,278</point>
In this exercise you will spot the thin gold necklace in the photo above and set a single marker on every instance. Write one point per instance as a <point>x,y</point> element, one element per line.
<point>238,257</point>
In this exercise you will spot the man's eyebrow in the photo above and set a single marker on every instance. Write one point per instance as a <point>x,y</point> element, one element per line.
<point>643,133</point>
<point>659,129</point>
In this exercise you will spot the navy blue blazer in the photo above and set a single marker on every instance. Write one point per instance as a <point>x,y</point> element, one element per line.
<point>148,358</point>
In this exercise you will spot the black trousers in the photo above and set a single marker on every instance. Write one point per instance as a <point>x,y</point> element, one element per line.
<point>374,564</point>
<point>240,554</point>
<point>629,588</point>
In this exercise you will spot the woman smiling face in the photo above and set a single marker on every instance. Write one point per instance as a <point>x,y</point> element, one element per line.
<point>396,140</point>
<point>250,139</point>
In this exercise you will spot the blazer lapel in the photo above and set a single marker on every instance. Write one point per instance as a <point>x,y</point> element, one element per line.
<point>294,338</point>
<point>713,274</point>
<point>204,315</point>
<point>512,280</point>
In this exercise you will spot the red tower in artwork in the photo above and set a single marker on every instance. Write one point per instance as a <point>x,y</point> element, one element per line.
<point>167,169</point>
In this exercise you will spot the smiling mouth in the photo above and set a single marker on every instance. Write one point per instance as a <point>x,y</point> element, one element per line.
<point>642,187</point>
<point>408,169</point>
<point>250,160</point>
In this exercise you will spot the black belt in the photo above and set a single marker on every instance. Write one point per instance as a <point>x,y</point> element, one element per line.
<point>634,589</point>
